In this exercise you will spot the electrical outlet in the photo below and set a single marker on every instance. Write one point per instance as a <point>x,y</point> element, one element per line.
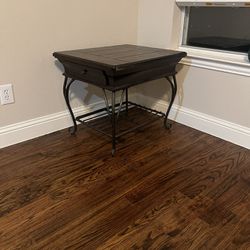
<point>6,94</point>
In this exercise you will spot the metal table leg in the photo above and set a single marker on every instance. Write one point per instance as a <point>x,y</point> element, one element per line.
<point>173,84</point>
<point>113,117</point>
<point>66,87</point>
<point>126,100</point>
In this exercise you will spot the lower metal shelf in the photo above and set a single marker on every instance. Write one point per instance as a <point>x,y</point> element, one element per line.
<point>100,120</point>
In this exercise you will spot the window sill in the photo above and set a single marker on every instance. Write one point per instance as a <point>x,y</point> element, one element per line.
<point>234,63</point>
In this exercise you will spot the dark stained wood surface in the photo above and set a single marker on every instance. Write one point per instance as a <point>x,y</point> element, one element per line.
<point>119,57</point>
<point>120,66</point>
<point>177,189</point>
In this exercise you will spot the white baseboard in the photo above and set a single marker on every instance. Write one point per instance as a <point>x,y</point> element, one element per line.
<point>211,125</point>
<point>30,129</point>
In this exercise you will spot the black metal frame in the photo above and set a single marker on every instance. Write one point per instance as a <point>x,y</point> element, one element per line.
<point>113,110</point>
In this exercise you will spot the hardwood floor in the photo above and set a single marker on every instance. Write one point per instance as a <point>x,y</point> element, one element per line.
<point>177,189</point>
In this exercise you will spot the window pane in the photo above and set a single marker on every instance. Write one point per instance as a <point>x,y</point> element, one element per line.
<point>223,28</point>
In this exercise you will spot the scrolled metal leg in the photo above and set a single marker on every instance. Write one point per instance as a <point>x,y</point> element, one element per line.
<point>106,102</point>
<point>113,124</point>
<point>66,87</point>
<point>173,84</point>
<point>120,105</point>
<point>127,100</point>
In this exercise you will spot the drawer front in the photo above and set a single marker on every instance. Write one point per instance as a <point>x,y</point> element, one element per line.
<point>146,75</point>
<point>83,73</point>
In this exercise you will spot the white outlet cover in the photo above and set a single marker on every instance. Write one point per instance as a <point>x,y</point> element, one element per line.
<point>6,94</point>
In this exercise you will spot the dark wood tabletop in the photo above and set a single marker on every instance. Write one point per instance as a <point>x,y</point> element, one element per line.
<point>119,57</point>
<point>121,64</point>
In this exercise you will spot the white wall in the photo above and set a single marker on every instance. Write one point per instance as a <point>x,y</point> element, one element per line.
<point>222,95</point>
<point>31,30</point>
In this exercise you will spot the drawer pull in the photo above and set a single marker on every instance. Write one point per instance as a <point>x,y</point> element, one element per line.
<point>84,72</point>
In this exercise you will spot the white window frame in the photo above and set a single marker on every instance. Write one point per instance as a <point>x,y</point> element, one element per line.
<point>225,61</point>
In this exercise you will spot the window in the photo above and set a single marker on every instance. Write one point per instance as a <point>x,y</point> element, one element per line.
<point>219,28</point>
<point>216,34</point>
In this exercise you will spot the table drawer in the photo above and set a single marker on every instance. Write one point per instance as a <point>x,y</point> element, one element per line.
<point>87,74</point>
